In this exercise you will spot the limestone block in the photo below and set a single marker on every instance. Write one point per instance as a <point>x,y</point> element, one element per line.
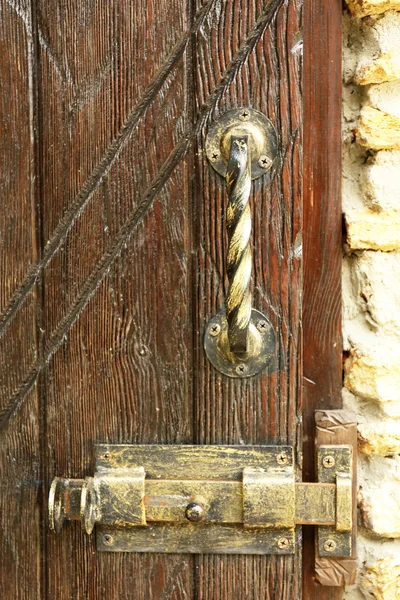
<point>363,8</point>
<point>374,372</point>
<point>375,46</point>
<point>381,437</point>
<point>378,434</point>
<point>381,580</point>
<point>380,181</point>
<point>376,288</point>
<point>379,496</point>
<point>378,570</point>
<point>386,67</point>
<point>378,130</point>
<point>391,409</point>
<point>380,509</point>
<point>385,97</point>
<point>367,229</point>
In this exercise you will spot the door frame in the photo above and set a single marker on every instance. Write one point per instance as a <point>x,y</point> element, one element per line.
<point>322,241</point>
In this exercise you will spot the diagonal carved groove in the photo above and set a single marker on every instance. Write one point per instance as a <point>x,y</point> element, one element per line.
<point>99,172</point>
<point>104,264</point>
<point>57,337</point>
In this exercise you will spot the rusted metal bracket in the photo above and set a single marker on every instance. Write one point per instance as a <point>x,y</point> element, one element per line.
<point>208,499</point>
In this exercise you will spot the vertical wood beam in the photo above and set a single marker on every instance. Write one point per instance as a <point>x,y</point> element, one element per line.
<point>322,338</point>
<point>262,39</point>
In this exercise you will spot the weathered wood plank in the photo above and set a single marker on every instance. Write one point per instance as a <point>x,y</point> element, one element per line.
<point>122,372</point>
<point>114,85</point>
<point>322,336</point>
<point>20,469</point>
<point>262,409</point>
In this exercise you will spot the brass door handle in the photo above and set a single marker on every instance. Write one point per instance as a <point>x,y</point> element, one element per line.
<point>241,146</point>
<point>239,258</point>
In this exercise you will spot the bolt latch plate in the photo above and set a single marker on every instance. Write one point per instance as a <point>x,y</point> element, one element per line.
<point>203,499</point>
<point>208,499</point>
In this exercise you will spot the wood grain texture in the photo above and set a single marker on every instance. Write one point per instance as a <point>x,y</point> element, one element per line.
<point>120,373</point>
<point>20,469</point>
<point>322,338</point>
<point>261,409</point>
<point>120,263</point>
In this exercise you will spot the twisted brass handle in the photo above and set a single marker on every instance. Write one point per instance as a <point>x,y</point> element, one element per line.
<point>242,146</point>
<point>239,259</point>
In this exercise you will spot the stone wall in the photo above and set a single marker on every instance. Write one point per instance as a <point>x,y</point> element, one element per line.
<point>371,275</point>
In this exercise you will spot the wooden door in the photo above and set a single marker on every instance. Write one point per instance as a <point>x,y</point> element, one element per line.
<point>112,260</point>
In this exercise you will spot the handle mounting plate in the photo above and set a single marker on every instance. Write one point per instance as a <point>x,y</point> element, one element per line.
<point>262,135</point>
<point>241,145</point>
<point>260,352</point>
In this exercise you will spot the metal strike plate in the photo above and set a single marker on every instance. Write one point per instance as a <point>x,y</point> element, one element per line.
<point>208,499</point>
<point>335,465</point>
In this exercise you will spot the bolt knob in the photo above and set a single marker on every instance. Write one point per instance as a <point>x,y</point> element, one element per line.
<point>195,512</point>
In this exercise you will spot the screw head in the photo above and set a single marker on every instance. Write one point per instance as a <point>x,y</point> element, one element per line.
<point>264,161</point>
<point>108,539</point>
<point>244,115</point>
<point>283,543</point>
<point>330,545</point>
<point>262,326</point>
<point>214,155</point>
<point>282,458</point>
<point>241,369</point>
<point>328,462</point>
<point>194,512</point>
<point>106,456</point>
<point>215,329</point>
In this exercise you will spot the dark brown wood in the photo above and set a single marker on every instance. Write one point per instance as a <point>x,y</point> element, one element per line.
<point>20,474</point>
<point>112,260</point>
<point>262,409</point>
<point>121,373</point>
<point>322,338</point>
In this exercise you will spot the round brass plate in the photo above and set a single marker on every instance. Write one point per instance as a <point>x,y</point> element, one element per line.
<point>261,346</point>
<point>243,121</point>
<point>89,502</point>
<point>56,508</point>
